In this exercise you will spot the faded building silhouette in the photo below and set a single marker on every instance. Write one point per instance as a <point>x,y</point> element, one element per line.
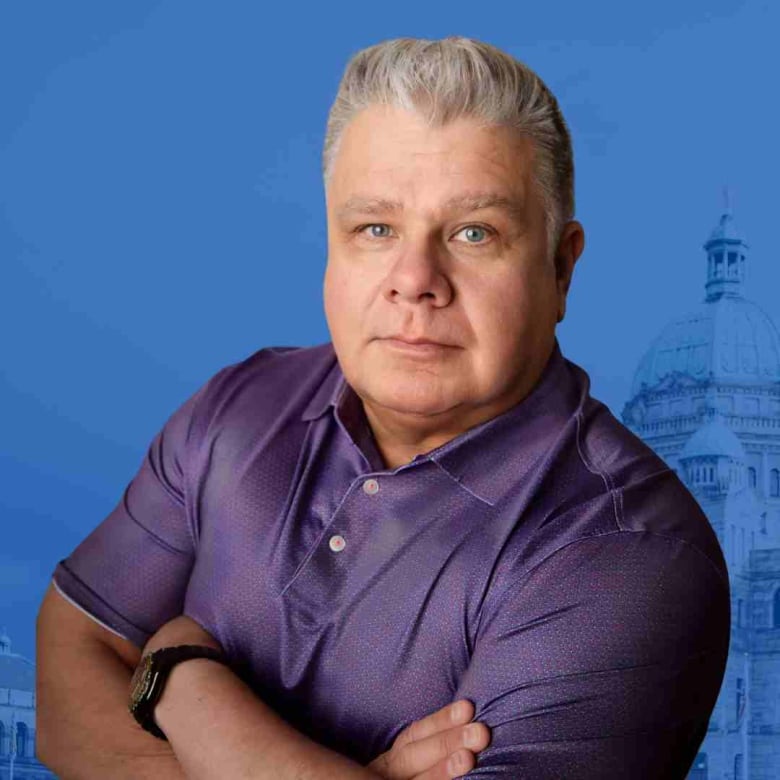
<point>17,717</point>
<point>706,398</point>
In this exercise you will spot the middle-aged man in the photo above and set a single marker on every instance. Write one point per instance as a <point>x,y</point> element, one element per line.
<point>428,509</point>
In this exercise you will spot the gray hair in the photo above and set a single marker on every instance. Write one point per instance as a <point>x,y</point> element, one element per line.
<point>461,77</point>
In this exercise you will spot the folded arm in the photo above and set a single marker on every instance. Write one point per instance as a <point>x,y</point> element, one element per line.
<point>216,726</point>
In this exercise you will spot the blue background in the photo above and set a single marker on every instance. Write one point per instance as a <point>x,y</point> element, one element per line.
<point>162,209</point>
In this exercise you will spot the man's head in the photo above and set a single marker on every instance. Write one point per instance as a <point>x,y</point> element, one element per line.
<point>449,189</point>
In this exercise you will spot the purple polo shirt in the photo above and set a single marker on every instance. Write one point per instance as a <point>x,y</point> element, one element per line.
<point>545,564</point>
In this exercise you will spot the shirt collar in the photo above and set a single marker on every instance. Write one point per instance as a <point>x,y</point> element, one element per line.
<point>489,458</point>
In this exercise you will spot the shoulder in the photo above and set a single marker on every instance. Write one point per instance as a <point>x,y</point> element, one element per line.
<point>599,480</point>
<point>273,371</point>
<point>246,402</point>
<point>282,378</point>
<point>645,494</point>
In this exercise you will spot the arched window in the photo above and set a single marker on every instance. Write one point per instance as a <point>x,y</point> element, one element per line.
<point>776,610</point>
<point>699,768</point>
<point>774,483</point>
<point>21,739</point>
<point>751,476</point>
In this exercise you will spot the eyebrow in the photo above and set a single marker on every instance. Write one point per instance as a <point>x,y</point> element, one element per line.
<point>470,201</point>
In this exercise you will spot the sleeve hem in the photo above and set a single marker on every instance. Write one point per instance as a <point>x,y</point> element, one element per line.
<point>77,593</point>
<point>84,611</point>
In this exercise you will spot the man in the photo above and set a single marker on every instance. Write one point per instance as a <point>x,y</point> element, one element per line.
<point>371,529</point>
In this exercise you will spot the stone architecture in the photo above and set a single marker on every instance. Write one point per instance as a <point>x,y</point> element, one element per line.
<point>706,398</point>
<point>17,717</point>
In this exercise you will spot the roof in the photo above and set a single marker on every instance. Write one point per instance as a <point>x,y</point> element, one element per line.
<point>713,439</point>
<point>730,339</point>
<point>726,229</point>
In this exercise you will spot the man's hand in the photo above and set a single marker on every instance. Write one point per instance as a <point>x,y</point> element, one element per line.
<point>436,747</point>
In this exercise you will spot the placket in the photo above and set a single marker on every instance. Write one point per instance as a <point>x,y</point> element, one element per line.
<point>377,516</point>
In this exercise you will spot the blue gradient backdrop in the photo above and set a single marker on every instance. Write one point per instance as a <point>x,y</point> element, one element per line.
<point>162,211</point>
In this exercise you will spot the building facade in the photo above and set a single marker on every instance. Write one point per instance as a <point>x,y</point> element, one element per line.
<point>706,398</point>
<point>17,717</point>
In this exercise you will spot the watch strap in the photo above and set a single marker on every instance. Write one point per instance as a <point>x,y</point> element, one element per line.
<point>151,675</point>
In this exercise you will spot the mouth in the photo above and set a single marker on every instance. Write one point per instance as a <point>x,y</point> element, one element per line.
<point>415,341</point>
<point>416,346</point>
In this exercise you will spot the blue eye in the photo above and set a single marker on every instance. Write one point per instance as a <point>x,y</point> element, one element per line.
<point>474,229</point>
<point>476,234</point>
<point>373,231</point>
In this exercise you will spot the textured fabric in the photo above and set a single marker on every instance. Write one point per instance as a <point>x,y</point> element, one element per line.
<point>546,565</point>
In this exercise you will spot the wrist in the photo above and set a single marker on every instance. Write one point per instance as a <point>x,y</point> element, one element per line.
<point>183,689</point>
<point>151,677</point>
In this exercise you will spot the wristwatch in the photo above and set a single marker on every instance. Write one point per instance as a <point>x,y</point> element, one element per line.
<point>151,674</point>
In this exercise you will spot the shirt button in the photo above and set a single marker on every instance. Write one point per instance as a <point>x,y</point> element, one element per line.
<point>370,486</point>
<point>337,543</point>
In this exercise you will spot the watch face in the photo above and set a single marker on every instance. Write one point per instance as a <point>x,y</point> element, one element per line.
<point>139,684</point>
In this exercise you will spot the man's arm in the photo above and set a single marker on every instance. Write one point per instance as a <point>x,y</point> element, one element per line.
<point>218,727</point>
<point>83,727</point>
<point>604,660</point>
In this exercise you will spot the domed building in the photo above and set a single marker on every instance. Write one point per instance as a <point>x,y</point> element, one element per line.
<point>706,398</point>
<point>17,717</point>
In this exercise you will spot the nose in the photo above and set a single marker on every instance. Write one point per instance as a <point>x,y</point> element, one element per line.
<point>418,275</point>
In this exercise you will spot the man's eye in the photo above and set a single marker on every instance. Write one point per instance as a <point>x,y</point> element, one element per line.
<point>475,234</point>
<point>374,230</point>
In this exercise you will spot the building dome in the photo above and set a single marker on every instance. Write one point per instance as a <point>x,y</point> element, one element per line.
<point>713,440</point>
<point>16,673</point>
<point>727,338</point>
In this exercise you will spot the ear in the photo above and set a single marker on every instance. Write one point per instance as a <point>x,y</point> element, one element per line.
<point>570,246</point>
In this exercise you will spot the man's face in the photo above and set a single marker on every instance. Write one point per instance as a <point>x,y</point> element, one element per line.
<point>474,276</point>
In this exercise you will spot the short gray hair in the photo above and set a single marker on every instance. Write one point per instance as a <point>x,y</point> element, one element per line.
<point>458,77</point>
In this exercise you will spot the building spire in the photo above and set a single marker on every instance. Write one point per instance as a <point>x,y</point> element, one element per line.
<point>726,254</point>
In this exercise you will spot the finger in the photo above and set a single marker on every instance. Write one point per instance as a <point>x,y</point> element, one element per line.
<point>461,711</point>
<point>459,763</point>
<point>414,758</point>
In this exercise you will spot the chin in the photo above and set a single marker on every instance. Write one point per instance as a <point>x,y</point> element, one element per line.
<point>404,393</point>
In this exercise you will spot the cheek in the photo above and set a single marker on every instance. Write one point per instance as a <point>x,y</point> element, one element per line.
<point>343,300</point>
<point>507,321</point>
<point>503,309</point>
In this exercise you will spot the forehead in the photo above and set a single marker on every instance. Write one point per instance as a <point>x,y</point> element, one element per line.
<point>387,155</point>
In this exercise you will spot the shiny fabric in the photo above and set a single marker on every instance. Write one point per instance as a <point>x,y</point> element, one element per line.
<point>546,565</point>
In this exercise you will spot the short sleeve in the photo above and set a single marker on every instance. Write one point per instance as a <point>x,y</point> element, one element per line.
<point>604,660</point>
<point>131,573</point>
